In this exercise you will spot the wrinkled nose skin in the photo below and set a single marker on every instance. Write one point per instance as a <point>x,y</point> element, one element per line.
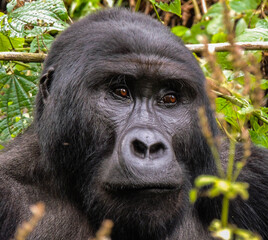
<point>143,147</point>
<point>144,159</point>
<point>146,151</point>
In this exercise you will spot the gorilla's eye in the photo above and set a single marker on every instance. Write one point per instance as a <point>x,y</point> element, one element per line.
<point>121,92</point>
<point>169,99</point>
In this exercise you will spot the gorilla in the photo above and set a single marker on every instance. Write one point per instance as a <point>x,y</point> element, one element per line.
<point>116,136</point>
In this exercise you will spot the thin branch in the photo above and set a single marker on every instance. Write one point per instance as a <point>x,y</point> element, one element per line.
<point>224,47</point>
<point>204,6</point>
<point>23,57</point>
<point>197,13</point>
<point>217,47</point>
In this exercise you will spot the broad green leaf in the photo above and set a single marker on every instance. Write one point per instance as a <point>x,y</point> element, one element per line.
<point>251,18</point>
<point>230,113</point>
<point>215,25</point>
<point>219,38</point>
<point>180,31</point>
<point>215,10</point>
<point>196,30</point>
<point>259,139</point>
<point>223,60</point>
<point>17,94</point>
<point>5,43</point>
<point>35,17</point>
<point>262,23</point>
<point>43,41</point>
<point>11,5</point>
<point>243,5</point>
<point>241,26</point>
<point>173,6</point>
<point>253,35</point>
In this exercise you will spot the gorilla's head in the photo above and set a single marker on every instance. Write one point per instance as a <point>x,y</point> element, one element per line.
<point>117,119</point>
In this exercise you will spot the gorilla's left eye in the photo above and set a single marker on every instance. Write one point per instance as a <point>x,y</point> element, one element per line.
<point>121,92</point>
<point>169,99</point>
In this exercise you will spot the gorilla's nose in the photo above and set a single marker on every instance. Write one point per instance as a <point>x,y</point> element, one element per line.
<point>145,146</point>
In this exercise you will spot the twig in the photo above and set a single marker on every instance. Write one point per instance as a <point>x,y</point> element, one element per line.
<point>217,47</point>
<point>224,47</point>
<point>104,233</point>
<point>204,6</point>
<point>26,228</point>
<point>198,15</point>
<point>23,57</point>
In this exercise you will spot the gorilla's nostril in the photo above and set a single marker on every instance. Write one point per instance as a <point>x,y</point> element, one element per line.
<point>139,148</point>
<point>157,150</point>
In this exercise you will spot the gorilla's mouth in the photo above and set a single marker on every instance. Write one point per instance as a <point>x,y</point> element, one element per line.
<point>136,189</point>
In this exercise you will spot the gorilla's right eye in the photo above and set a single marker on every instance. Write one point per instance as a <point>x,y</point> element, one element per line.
<point>121,92</point>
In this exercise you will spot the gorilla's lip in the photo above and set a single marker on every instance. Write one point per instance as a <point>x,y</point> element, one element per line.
<point>157,188</point>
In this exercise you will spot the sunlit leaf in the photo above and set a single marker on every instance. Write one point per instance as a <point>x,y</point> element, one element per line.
<point>35,18</point>
<point>174,6</point>
<point>17,94</point>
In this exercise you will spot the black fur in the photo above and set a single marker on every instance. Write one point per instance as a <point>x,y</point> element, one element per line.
<point>88,157</point>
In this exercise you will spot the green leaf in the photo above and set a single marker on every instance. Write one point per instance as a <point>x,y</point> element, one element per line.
<point>34,18</point>
<point>223,60</point>
<point>253,35</point>
<point>259,139</point>
<point>219,38</point>
<point>215,25</point>
<point>243,5</point>
<point>5,43</point>
<point>11,5</point>
<point>230,112</point>
<point>241,26</point>
<point>196,30</point>
<point>180,31</point>
<point>173,6</point>
<point>262,23</point>
<point>44,41</point>
<point>17,94</point>
<point>214,10</point>
<point>264,84</point>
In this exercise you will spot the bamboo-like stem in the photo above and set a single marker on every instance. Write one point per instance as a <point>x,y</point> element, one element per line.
<point>23,57</point>
<point>197,48</point>
<point>198,15</point>
<point>224,47</point>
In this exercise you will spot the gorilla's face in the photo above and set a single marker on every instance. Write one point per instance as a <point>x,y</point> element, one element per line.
<point>124,111</point>
<point>143,176</point>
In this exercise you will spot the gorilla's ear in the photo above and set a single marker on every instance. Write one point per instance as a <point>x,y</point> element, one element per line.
<point>45,82</point>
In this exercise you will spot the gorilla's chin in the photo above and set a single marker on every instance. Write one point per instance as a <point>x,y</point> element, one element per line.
<point>143,213</point>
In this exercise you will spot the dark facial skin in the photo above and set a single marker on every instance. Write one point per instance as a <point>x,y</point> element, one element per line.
<point>143,169</point>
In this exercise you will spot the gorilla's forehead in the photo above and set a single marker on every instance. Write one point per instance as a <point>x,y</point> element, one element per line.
<point>142,66</point>
<point>120,42</point>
